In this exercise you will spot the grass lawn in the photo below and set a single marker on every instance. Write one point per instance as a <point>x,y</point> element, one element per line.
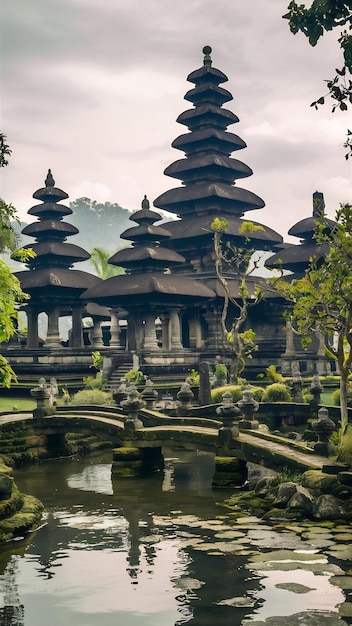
<point>21,404</point>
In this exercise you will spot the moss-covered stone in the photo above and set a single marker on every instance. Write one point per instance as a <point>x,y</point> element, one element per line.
<point>126,454</point>
<point>23,520</point>
<point>226,463</point>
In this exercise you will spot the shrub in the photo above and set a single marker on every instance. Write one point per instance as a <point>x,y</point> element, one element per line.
<point>92,396</point>
<point>273,375</point>
<point>221,371</point>
<point>336,396</point>
<point>277,392</point>
<point>235,390</point>
<point>135,376</point>
<point>257,393</point>
<point>194,377</point>
<point>94,382</point>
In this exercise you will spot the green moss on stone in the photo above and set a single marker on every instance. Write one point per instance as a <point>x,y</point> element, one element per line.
<point>126,454</point>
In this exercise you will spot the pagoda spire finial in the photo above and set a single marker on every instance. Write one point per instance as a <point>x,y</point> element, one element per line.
<point>49,181</point>
<point>207,58</point>
<point>318,205</point>
<point>145,203</point>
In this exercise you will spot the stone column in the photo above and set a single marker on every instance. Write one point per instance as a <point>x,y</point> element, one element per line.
<point>165,332</point>
<point>323,365</point>
<point>77,330</point>
<point>97,335</point>
<point>32,329</point>
<point>215,339</point>
<point>176,343</point>
<point>53,335</point>
<point>289,356</point>
<point>114,331</point>
<point>150,340</point>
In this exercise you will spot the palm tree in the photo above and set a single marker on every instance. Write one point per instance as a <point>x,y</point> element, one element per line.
<point>99,259</point>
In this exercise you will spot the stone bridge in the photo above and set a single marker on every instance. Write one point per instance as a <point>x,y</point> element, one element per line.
<point>137,449</point>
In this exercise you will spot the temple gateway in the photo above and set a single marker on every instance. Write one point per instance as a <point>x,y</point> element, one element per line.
<point>163,315</point>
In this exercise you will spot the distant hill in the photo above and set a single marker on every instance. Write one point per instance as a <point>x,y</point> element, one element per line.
<point>100,225</point>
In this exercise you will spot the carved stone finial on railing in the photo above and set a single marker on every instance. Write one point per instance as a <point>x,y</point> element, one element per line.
<point>248,407</point>
<point>323,427</point>
<point>227,411</point>
<point>185,397</point>
<point>316,389</point>
<point>149,395</point>
<point>132,406</point>
<point>120,393</point>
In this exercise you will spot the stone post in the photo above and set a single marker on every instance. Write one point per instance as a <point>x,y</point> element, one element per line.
<point>323,427</point>
<point>185,396</point>
<point>248,407</point>
<point>150,340</point>
<point>43,396</point>
<point>149,395</point>
<point>77,329</point>
<point>32,329</point>
<point>114,331</point>
<point>165,339</point>
<point>132,405</point>
<point>176,343</point>
<point>204,384</point>
<point>53,335</point>
<point>316,388</point>
<point>97,335</point>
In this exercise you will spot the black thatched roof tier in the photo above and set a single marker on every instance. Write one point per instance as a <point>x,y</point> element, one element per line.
<point>148,289</point>
<point>158,257</point>
<point>199,228</point>
<point>210,197</point>
<point>50,228</point>
<point>49,210</point>
<point>55,253</point>
<point>45,281</point>
<point>209,139</point>
<point>208,166</point>
<point>296,257</point>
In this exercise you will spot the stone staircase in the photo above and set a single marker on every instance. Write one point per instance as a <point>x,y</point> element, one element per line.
<point>118,373</point>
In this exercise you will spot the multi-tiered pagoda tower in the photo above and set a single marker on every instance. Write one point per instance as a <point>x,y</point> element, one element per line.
<point>54,287</point>
<point>209,190</point>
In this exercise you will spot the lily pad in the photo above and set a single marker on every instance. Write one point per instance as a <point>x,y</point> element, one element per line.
<point>229,534</point>
<point>345,582</point>
<point>295,587</point>
<point>245,601</point>
<point>341,551</point>
<point>277,556</point>
<point>189,584</point>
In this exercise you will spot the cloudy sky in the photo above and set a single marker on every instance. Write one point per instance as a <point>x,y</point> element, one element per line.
<point>92,89</point>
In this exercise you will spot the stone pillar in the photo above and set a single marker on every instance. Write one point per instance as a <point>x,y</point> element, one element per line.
<point>77,330</point>
<point>215,339</point>
<point>150,340</point>
<point>323,365</point>
<point>53,335</point>
<point>32,329</point>
<point>195,333</point>
<point>204,384</point>
<point>165,332</point>
<point>176,343</point>
<point>114,331</point>
<point>97,335</point>
<point>289,356</point>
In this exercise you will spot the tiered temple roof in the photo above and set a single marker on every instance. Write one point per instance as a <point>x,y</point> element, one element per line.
<point>208,172</point>
<point>296,257</point>
<point>147,281</point>
<point>51,274</point>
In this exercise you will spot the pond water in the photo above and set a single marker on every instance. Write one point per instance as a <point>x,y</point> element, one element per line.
<point>164,551</point>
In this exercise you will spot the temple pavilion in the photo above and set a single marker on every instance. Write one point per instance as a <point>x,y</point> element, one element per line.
<point>169,302</point>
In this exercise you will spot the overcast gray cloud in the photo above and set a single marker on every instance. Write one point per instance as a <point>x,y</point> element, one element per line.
<point>92,89</point>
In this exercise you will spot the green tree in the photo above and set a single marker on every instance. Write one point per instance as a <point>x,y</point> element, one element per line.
<point>99,258</point>
<point>320,17</point>
<point>236,262</point>
<point>322,301</point>
<point>11,293</point>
